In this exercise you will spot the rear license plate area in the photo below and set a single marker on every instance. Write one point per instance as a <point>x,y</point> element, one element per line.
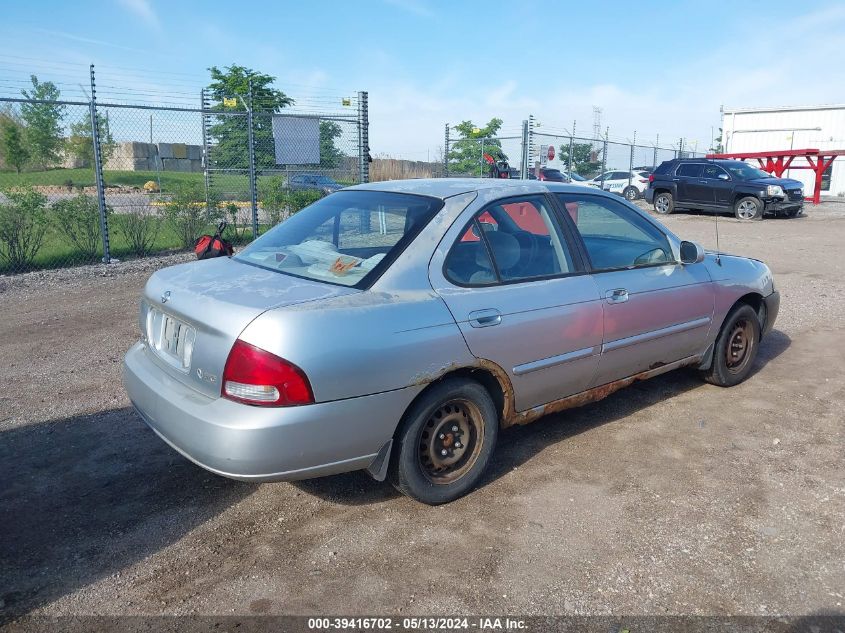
<point>171,339</point>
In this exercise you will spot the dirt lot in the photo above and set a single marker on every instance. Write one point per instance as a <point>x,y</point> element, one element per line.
<point>669,497</point>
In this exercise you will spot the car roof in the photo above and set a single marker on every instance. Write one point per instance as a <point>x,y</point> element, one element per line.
<point>447,187</point>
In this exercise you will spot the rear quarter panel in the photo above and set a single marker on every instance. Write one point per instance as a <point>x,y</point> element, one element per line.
<point>368,343</point>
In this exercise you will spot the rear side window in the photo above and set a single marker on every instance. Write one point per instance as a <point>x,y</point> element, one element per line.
<point>511,241</point>
<point>690,170</point>
<point>664,168</point>
<point>347,238</point>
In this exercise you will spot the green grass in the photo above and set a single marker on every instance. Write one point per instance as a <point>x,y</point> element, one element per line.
<point>85,178</point>
<point>57,252</point>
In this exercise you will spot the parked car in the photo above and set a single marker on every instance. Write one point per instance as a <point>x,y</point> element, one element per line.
<point>630,185</point>
<point>396,327</point>
<point>547,174</point>
<point>575,179</point>
<point>317,182</point>
<point>722,186</point>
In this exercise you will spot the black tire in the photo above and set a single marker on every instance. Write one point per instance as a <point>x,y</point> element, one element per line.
<point>792,213</point>
<point>418,468</point>
<point>748,208</point>
<point>736,348</point>
<point>664,203</point>
<point>631,193</point>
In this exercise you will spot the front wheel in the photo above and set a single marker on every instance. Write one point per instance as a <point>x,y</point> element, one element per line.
<point>631,193</point>
<point>736,348</point>
<point>664,204</point>
<point>445,442</point>
<point>748,208</point>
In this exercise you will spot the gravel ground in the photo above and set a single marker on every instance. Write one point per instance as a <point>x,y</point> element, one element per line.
<point>669,497</point>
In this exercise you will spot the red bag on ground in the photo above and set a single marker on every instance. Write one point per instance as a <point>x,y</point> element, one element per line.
<point>208,246</point>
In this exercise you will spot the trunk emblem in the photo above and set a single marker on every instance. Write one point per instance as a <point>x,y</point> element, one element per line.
<point>165,296</point>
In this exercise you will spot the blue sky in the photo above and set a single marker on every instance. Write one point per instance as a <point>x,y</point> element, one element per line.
<point>654,67</point>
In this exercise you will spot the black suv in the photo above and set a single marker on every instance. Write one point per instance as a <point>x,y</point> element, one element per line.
<point>722,185</point>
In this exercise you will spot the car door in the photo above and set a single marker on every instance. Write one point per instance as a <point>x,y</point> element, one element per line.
<point>656,310</point>
<point>688,179</point>
<point>719,182</point>
<point>517,289</point>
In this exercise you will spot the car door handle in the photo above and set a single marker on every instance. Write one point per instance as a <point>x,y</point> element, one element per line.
<point>619,295</point>
<point>485,318</point>
<point>676,180</point>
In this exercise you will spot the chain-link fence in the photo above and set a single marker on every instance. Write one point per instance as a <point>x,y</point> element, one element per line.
<point>83,182</point>
<point>534,152</point>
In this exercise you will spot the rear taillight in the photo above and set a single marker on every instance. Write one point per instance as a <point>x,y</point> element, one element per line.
<point>651,178</point>
<point>643,180</point>
<point>255,376</point>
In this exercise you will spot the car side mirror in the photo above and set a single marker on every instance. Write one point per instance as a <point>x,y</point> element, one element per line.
<point>691,253</point>
<point>723,177</point>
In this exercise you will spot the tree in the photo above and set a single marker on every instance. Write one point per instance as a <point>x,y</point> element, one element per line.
<point>230,133</point>
<point>80,143</point>
<point>330,155</point>
<point>585,161</point>
<point>43,122</point>
<point>716,145</point>
<point>465,154</point>
<point>12,143</point>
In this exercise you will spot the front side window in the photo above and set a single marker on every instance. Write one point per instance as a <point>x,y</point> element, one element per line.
<point>713,172</point>
<point>615,236</point>
<point>347,238</point>
<point>510,241</point>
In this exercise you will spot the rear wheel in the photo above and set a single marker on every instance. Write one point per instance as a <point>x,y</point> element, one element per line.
<point>748,208</point>
<point>445,442</point>
<point>664,204</point>
<point>631,193</point>
<point>736,348</point>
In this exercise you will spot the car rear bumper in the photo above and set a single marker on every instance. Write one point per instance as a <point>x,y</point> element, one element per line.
<point>772,303</point>
<point>262,443</point>
<point>648,195</point>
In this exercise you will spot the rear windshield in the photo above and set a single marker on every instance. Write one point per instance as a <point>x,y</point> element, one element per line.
<point>347,238</point>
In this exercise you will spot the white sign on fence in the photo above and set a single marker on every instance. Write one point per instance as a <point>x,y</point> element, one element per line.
<point>297,140</point>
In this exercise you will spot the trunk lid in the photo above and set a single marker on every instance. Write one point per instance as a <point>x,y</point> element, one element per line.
<point>192,313</point>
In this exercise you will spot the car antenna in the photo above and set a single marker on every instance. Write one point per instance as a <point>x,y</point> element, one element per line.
<point>718,251</point>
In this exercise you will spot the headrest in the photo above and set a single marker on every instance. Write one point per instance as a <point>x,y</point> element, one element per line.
<point>505,249</point>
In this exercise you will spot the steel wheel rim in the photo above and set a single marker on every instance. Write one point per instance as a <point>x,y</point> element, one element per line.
<point>739,347</point>
<point>747,210</point>
<point>462,446</point>
<point>661,204</point>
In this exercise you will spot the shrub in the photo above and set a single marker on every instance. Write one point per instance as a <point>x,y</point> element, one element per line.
<point>273,198</point>
<point>139,226</point>
<point>78,219</point>
<point>238,229</point>
<point>298,200</point>
<point>187,215</point>
<point>23,223</point>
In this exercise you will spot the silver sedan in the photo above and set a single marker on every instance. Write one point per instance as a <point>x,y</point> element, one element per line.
<point>397,327</point>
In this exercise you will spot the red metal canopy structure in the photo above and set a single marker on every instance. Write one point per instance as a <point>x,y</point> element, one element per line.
<point>777,162</point>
